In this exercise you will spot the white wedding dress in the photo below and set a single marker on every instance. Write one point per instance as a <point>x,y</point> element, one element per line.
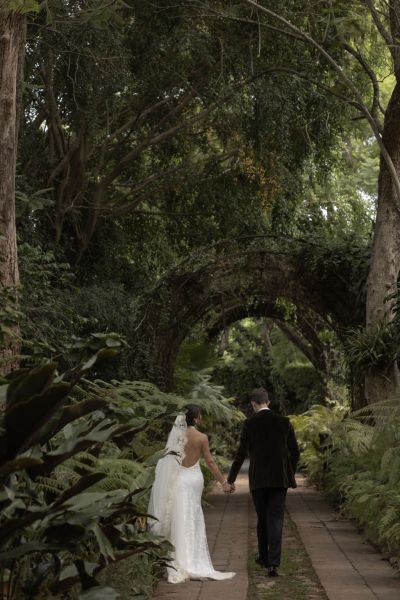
<point>175,501</point>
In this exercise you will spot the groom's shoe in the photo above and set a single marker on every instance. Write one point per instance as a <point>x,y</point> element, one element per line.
<point>260,561</point>
<point>273,572</point>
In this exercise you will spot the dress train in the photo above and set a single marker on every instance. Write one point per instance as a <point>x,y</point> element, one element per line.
<point>191,559</point>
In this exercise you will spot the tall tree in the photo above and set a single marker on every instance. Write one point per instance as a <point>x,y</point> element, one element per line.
<point>385,264</point>
<point>344,52</point>
<point>11,56</point>
<point>128,117</point>
<point>13,14</point>
<point>11,32</point>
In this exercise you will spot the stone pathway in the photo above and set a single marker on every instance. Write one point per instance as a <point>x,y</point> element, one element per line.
<point>297,579</point>
<point>227,532</point>
<point>347,567</point>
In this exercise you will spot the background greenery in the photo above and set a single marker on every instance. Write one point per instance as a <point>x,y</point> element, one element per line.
<point>152,134</point>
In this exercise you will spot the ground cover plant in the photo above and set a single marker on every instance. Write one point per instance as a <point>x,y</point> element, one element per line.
<point>354,457</point>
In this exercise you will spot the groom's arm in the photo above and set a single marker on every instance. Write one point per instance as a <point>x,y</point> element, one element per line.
<point>293,448</point>
<point>240,455</point>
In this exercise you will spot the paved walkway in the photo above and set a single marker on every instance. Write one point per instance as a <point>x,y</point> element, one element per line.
<point>347,566</point>
<point>227,522</point>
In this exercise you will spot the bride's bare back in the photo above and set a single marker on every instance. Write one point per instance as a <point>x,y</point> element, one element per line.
<point>197,446</point>
<point>194,447</point>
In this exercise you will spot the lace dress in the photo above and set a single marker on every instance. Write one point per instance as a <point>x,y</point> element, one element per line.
<point>191,559</point>
<point>175,502</point>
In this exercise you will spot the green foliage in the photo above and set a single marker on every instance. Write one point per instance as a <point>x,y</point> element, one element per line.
<point>47,319</point>
<point>371,350</point>
<point>237,170</point>
<point>258,354</point>
<point>301,383</point>
<point>244,363</point>
<point>21,6</point>
<point>266,160</point>
<point>305,383</point>
<point>70,489</point>
<point>133,578</point>
<point>356,459</point>
<point>10,317</point>
<point>314,429</point>
<point>152,132</point>
<point>287,308</point>
<point>58,316</point>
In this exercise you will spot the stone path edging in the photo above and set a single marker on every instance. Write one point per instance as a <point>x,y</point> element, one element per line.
<point>348,567</point>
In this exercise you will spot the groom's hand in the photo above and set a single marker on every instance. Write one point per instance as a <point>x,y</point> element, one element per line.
<point>227,487</point>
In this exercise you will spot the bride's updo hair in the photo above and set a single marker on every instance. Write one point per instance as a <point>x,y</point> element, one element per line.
<point>192,412</point>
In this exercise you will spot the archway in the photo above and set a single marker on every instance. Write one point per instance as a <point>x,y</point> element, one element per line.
<point>216,287</point>
<point>302,329</point>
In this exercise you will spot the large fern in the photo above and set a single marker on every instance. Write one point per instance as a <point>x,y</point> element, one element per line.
<point>355,458</point>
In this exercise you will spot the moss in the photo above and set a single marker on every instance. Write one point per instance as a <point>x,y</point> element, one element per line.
<point>297,579</point>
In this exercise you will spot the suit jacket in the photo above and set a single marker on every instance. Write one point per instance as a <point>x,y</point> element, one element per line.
<point>270,442</point>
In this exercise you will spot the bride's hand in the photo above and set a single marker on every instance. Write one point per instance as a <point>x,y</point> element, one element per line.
<point>227,487</point>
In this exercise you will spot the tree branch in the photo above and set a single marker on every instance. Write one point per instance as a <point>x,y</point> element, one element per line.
<point>342,75</point>
<point>54,120</point>
<point>376,104</point>
<point>65,160</point>
<point>385,33</point>
<point>159,178</point>
<point>297,340</point>
<point>151,140</point>
<point>134,121</point>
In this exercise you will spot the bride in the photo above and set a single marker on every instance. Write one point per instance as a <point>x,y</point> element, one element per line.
<point>175,500</point>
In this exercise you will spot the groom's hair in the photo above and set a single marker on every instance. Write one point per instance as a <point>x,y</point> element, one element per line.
<point>259,396</point>
<point>192,412</point>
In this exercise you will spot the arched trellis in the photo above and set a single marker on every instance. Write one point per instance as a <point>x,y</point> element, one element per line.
<point>247,279</point>
<point>302,329</point>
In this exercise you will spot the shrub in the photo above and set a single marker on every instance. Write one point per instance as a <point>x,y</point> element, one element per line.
<point>305,384</point>
<point>66,509</point>
<point>355,458</point>
<point>76,467</point>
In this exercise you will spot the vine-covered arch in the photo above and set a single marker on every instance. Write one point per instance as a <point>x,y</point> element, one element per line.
<point>217,287</point>
<point>301,328</point>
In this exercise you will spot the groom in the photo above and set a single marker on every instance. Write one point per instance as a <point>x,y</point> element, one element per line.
<point>270,442</point>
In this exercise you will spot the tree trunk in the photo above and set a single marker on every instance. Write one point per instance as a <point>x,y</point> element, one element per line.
<point>385,261</point>
<point>11,34</point>
<point>315,356</point>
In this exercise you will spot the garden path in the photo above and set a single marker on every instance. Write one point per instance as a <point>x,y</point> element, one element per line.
<point>227,522</point>
<point>348,567</point>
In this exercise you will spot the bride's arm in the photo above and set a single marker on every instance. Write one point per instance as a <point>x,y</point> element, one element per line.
<point>212,465</point>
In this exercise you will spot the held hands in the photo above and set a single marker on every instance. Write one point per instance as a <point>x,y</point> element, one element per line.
<point>228,488</point>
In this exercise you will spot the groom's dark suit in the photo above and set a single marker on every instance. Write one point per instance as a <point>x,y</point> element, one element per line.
<point>269,441</point>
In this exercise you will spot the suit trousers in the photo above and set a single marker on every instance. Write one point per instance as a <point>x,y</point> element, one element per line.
<point>270,507</point>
